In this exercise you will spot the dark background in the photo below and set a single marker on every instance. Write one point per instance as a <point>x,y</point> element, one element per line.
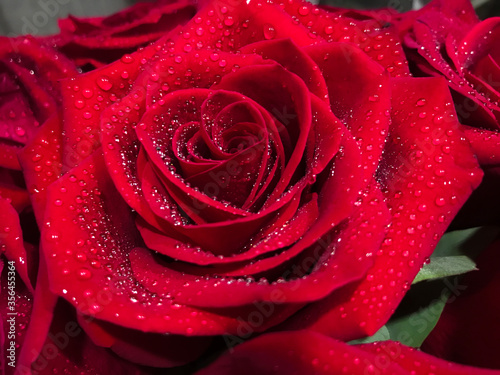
<point>39,17</point>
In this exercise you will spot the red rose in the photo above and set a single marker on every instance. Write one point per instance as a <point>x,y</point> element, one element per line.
<point>100,40</point>
<point>244,170</point>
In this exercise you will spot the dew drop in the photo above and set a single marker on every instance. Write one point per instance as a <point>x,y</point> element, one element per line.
<point>421,102</point>
<point>127,59</point>
<point>20,131</point>
<point>304,10</point>
<point>104,83</point>
<point>269,31</point>
<point>440,202</point>
<point>328,30</point>
<point>88,93</point>
<point>84,274</point>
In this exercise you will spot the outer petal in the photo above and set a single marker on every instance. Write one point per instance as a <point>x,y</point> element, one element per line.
<point>425,186</point>
<point>486,145</point>
<point>297,353</point>
<point>88,95</point>
<point>414,361</point>
<point>306,352</point>
<point>371,34</point>
<point>148,349</point>
<point>42,162</point>
<point>101,40</point>
<point>20,311</point>
<point>359,93</point>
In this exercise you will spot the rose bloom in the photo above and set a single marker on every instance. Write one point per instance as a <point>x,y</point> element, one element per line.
<point>446,39</point>
<point>266,166</point>
<point>97,41</point>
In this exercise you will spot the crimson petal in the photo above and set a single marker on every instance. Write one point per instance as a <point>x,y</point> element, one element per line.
<point>425,186</point>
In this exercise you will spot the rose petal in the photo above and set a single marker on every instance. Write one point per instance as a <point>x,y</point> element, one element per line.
<point>42,161</point>
<point>148,349</point>
<point>486,145</point>
<point>425,187</point>
<point>411,360</point>
<point>341,263</point>
<point>280,51</point>
<point>75,275</point>
<point>373,36</point>
<point>302,352</point>
<point>11,241</point>
<point>88,95</point>
<point>359,94</point>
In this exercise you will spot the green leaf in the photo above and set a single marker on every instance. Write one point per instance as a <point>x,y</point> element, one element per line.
<point>468,242</point>
<point>445,266</point>
<point>382,334</point>
<point>410,330</point>
<point>413,329</point>
<point>455,252</point>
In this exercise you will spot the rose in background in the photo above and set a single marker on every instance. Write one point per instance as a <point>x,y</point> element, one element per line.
<point>447,39</point>
<point>466,330</point>
<point>30,100</point>
<point>31,95</point>
<point>97,41</point>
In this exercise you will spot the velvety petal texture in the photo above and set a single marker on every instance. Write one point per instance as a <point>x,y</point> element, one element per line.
<point>457,337</point>
<point>30,94</point>
<point>306,352</point>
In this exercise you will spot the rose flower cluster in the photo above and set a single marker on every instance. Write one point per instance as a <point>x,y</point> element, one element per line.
<point>245,187</point>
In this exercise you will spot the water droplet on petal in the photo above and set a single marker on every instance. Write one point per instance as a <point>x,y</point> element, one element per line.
<point>84,274</point>
<point>104,83</point>
<point>304,10</point>
<point>421,102</point>
<point>440,202</point>
<point>269,31</point>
